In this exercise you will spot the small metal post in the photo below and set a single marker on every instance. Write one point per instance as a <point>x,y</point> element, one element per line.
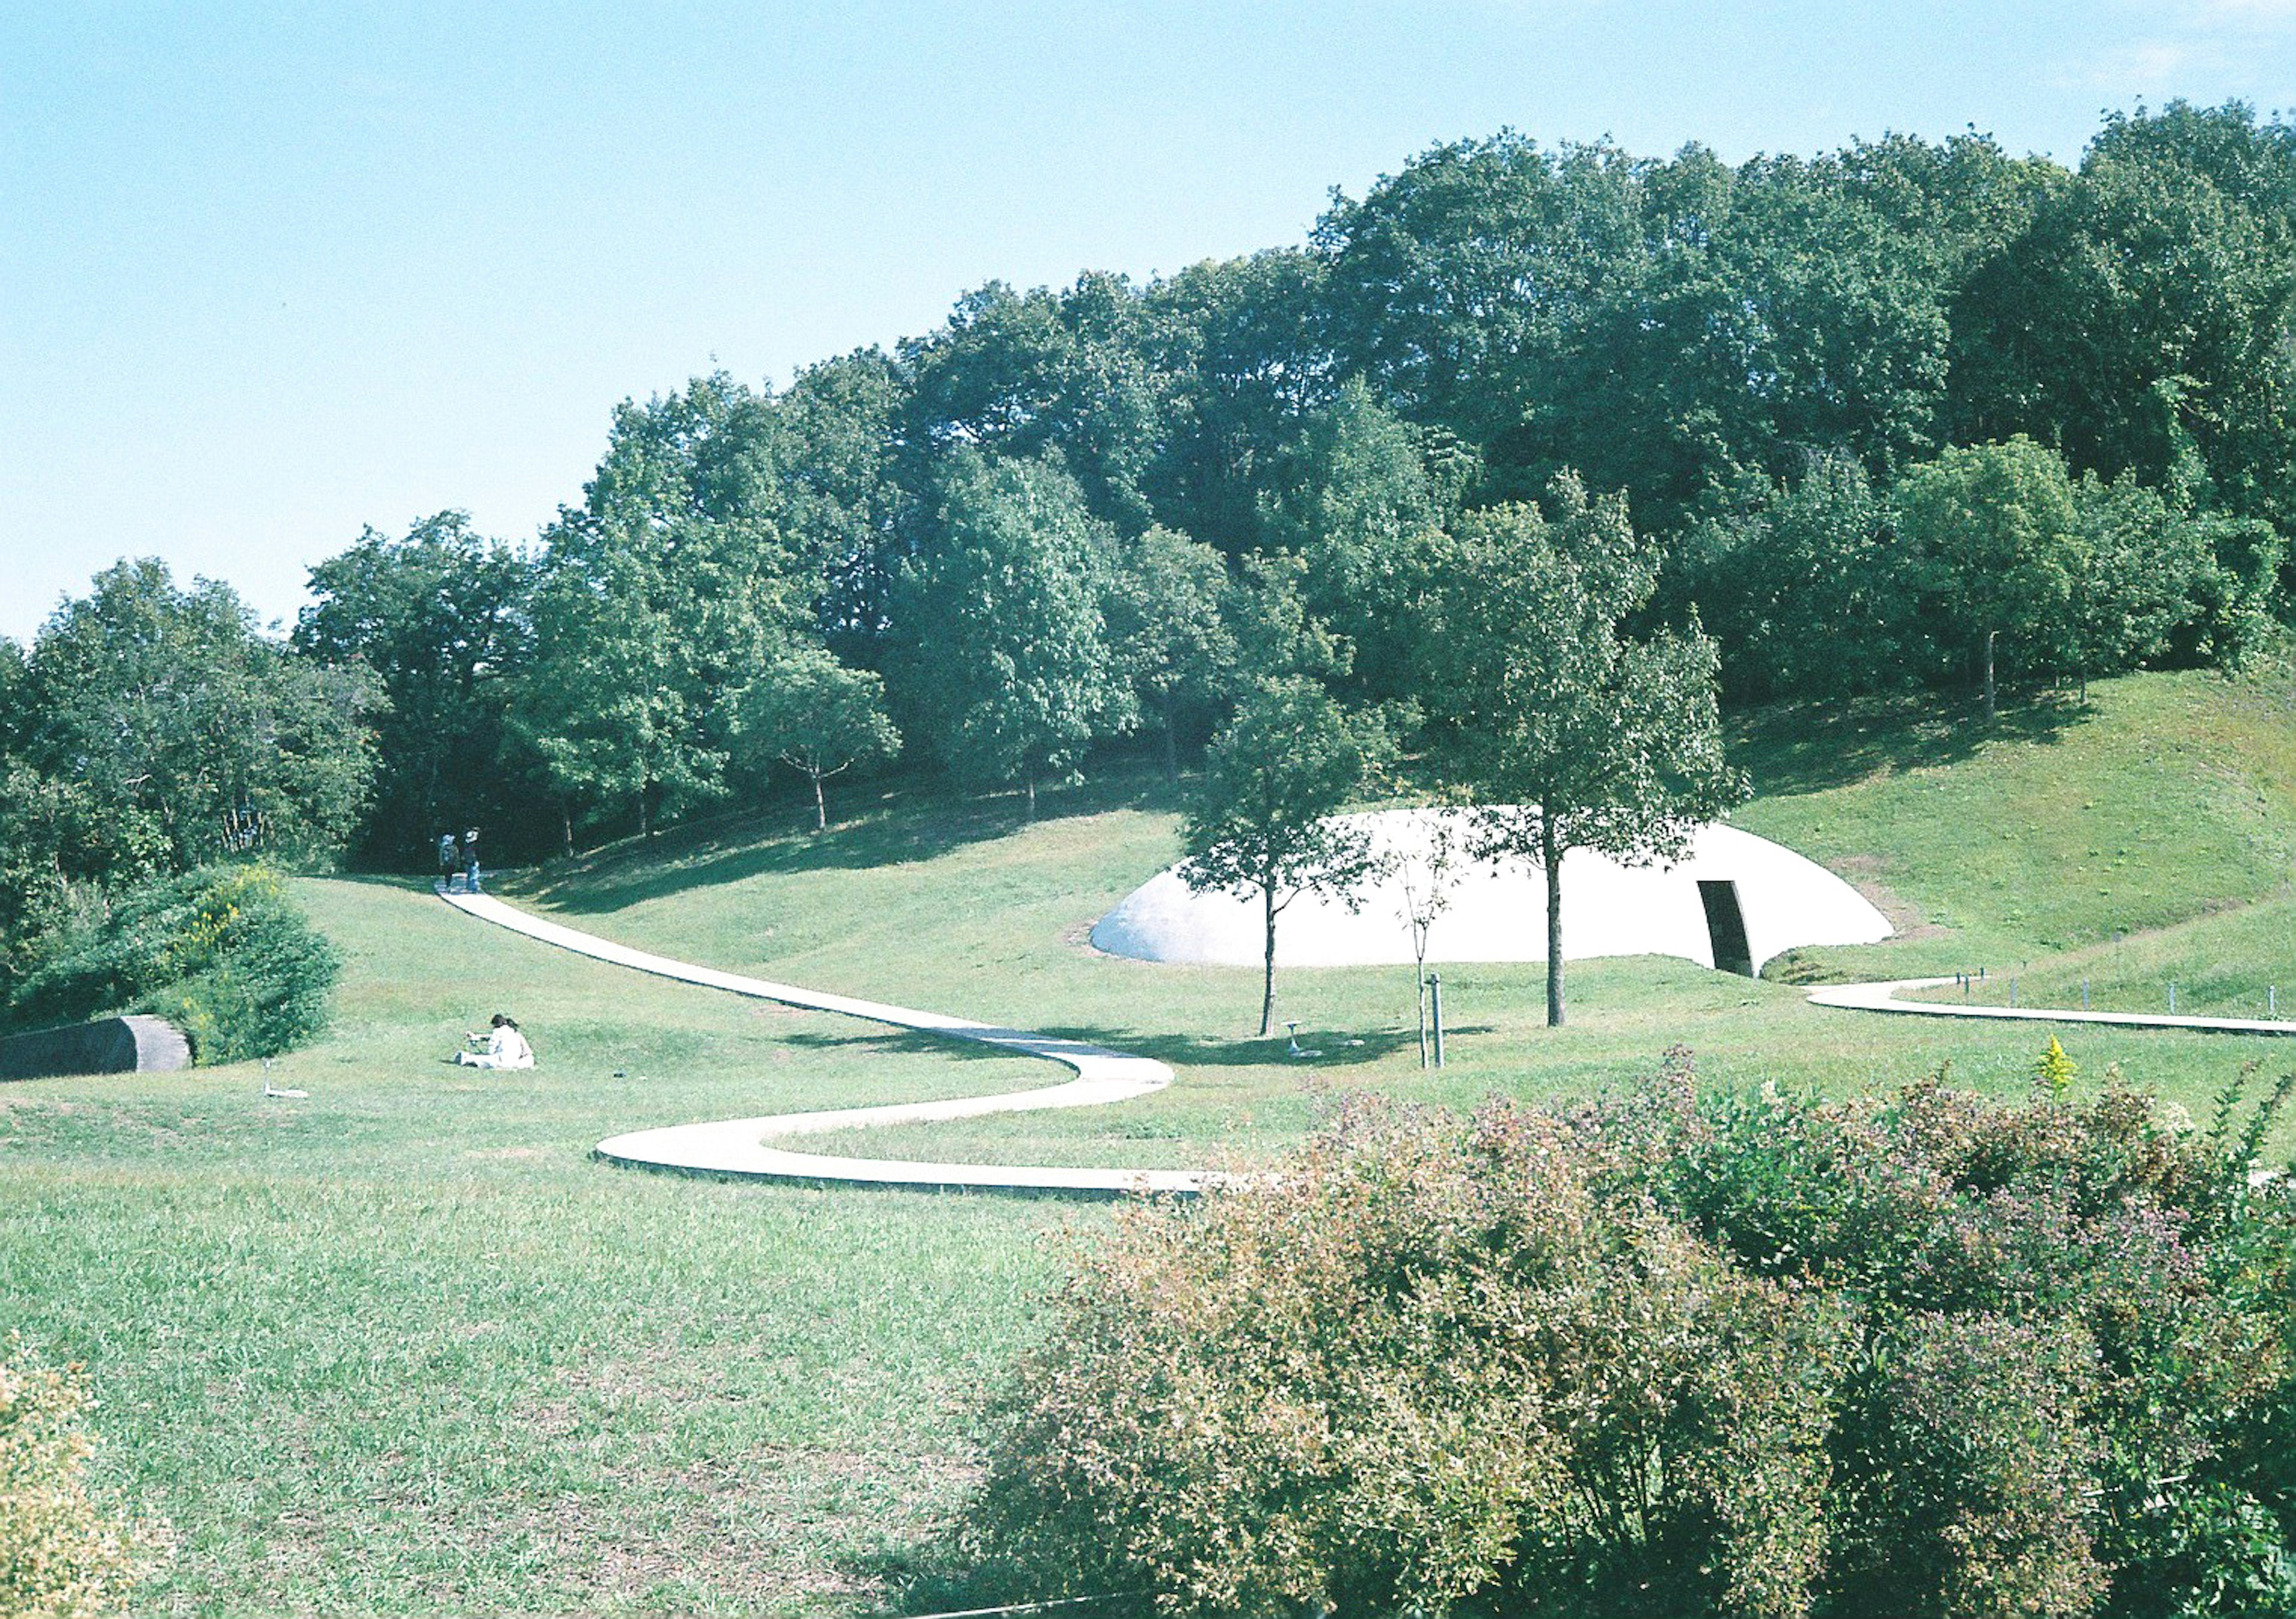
<point>2013,989</point>
<point>2172,996</point>
<point>2272,999</point>
<point>2084,995</point>
<point>1435,994</point>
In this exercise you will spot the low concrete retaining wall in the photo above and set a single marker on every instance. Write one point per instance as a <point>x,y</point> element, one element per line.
<point>109,1045</point>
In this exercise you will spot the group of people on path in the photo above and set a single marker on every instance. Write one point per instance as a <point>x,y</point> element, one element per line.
<point>458,862</point>
<point>506,1046</point>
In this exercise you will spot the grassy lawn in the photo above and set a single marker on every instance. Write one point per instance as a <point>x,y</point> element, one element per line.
<point>403,1347</point>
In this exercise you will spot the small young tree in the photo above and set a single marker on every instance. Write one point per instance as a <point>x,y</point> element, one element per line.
<point>1567,733</point>
<point>817,716</point>
<point>1263,825</point>
<point>1424,878</point>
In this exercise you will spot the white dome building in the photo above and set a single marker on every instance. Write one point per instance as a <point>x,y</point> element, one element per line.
<point>1732,901</point>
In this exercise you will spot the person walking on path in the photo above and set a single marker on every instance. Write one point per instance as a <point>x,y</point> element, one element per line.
<point>506,1047</point>
<point>450,862</point>
<point>471,859</point>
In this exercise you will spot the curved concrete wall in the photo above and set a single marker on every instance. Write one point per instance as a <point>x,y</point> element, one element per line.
<point>109,1045</point>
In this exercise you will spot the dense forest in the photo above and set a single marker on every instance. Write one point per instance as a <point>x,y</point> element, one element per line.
<point>1909,414</point>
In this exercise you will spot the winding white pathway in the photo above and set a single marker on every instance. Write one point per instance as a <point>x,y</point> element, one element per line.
<point>743,1146</point>
<point>1882,998</point>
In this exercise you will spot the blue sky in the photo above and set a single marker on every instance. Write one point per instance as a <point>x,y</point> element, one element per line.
<point>272,272</point>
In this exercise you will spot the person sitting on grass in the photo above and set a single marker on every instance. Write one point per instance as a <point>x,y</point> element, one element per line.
<point>506,1047</point>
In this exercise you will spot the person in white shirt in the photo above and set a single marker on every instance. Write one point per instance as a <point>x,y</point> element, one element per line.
<point>506,1047</point>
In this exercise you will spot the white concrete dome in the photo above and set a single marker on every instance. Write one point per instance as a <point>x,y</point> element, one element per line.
<point>1499,913</point>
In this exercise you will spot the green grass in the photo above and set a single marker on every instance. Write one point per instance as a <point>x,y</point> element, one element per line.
<point>403,1347</point>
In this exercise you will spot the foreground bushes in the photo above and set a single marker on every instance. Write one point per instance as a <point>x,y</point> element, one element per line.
<point>1933,1356</point>
<point>223,952</point>
<point>58,1555</point>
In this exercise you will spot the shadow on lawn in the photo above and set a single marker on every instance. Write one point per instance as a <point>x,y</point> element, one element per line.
<point>1805,748</point>
<point>903,825</point>
<point>1333,1048</point>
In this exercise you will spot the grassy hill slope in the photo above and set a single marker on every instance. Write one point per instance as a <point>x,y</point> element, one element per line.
<point>403,1348</point>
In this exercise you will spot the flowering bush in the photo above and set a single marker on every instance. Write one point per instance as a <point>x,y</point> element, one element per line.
<point>58,1555</point>
<point>223,952</point>
<point>1924,1356</point>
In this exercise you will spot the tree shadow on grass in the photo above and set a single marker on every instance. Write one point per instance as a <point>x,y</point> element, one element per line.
<point>1331,1048</point>
<point>899,826</point>
<point>1808,747</point>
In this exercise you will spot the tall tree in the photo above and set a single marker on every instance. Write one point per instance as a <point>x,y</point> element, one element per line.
<point>1263,826</point>
<point>2143,320</point>
<point>1022,374</point>
<point>1805,587</point>
<point>656,600</point>
<point>1006,665</point>
<point>1997,531</point>
<point>440,616</point>
<point>845,509</point>
<point>1245,344</point>
<point>1164,616</point>
<point>1565,731</point>
<point>184,733</point>
<point>1359,499</point>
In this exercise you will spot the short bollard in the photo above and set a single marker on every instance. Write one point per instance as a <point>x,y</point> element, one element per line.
<point>2084,995</point>
<point>2172,999</point>
<point>2013,989</point>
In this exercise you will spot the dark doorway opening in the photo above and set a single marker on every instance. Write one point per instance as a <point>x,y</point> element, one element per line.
<point>1726,928</point>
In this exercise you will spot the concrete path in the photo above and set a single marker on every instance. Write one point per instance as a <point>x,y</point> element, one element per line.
<point>1882,998</point>
<point>743,1147</point>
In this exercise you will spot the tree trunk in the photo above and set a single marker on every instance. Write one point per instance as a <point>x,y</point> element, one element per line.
<point>1268,990</point>
<point>1171,742</point>
<point>566,823</point>
<point>1551,856</point>
<point>820,806</point>
<point>1422,1011</point>
<point>645,810</point>
<point>1032,794</point>
<point>1989,635</point>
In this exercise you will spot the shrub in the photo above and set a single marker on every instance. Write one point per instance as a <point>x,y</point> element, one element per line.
<point>223,952</point>
<point>1927,1356</point>
<point>58,1556</point>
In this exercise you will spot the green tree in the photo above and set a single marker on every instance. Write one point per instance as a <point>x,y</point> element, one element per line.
<point>2141,322</point>
<point>1805,587</point>
<point>440,616</point>
<point>1164,616</point>
<point>1264,824</point>
<point>1566,733</point>
<point>1360,499</point>
<point>1019,375</point>
<point>655,600</point>
<point>183,734</point>
<point>1245,347</point>
<point>1005,660</point>
<point>818,718</point>
<point>1996,530</point>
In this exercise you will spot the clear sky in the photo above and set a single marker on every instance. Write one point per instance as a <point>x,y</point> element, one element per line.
<point>272,272</point>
